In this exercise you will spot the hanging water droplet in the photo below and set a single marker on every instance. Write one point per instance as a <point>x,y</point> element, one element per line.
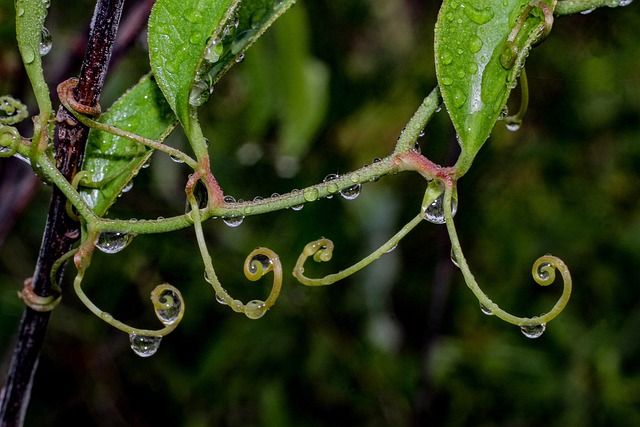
<point>169,306</point>
<point>220,299</point>
<point>417,148</point>
<point>112,242</point>
<point>144,345</point>
<point>127,187</point>
<point>513,126</point>
<point>45,41</point>
<point>391,249</point>
<point>46,3</point>
<point>255,309</point>
<point>176,159</point>
<point>454,259</point>
<point>433,203</point>
<point>352,192</point>
<point>240,58</point>
<point>533,331</point>
<point>586,12</point>
<point>233,221</point>
<point>297,207</point>
<point>486,310</point>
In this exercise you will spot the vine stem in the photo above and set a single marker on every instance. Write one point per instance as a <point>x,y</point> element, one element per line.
<point>60,232</point>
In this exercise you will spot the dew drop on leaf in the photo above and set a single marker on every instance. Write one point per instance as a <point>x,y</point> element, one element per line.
<point>144,345</point>
<point>112,242</point>
<point>533,331</point>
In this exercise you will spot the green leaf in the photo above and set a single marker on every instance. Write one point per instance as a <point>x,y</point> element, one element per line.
<point>470,48</point>
<point>113,161</point>
<point>192,42</point>
<point>179,31</point>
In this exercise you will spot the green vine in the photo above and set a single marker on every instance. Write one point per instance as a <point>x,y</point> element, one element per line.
<point>473,85</point>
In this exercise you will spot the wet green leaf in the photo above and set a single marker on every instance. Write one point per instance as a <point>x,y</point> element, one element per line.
<point>476,67</point>
<point>179,31</point>
<point>113,161</point>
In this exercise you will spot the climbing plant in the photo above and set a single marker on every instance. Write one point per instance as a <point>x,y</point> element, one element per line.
<point>480,52</point>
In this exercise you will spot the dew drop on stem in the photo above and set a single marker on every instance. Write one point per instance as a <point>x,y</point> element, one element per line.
<point>352,192</point>
<point>168,309</point>
<point>486,310</point>
<point>112,242</point>
<point>144,345</point>
<point>45,41</point>
<point>533,331</point>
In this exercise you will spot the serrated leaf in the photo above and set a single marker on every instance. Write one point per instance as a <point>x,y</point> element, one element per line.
<point>113,161</point>
<point>470,39</point>
<point>179,31</point>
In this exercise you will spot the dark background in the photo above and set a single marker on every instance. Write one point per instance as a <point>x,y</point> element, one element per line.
<point>402,342</point>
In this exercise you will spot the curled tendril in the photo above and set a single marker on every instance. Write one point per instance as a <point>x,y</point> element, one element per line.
<point>66,94</point>
<point>322,250</point>
<point>35,301</point>
<point>12,111</point>
<point>257,264</point>
<point>543,271</point>
<point>166,299</point>
<point>9,141</point>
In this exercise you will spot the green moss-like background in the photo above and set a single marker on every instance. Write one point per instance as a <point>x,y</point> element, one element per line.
<point>402,343</point>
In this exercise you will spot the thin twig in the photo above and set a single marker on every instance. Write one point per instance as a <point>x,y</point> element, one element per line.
<point>61,232</point>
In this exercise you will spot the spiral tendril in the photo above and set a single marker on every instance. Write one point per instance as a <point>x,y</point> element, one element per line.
<point>322,250</point>
<point>543,271</point>
<point>12,111</point>
<point>9,141</point>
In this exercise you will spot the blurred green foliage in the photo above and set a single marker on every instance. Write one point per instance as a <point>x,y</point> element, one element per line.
<point>403,342</point>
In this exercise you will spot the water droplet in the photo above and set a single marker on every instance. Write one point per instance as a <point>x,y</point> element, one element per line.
<point>255,309</point>
<point>213,51</point>
<point>195,38</point>
<point>417,148</point>
<point>623,3</point>
<point>331,188</point>
<point>459,98</point>
<point>486,310</point>
<point>544,271</point>
<point>113,242</point>
<point>454,259</point>
<point>533,331</point>
<point>447,81</point>
<point>433,203</point>
<point>297,207</point>
<point>46,3</point>
<point>220,299</point>
<point>391,249</point>
<point>45,41</point>
<point>240,58</point>
<point>513,126</point>
<point>200,91</point>
<point>127,187</point>
<point>19,10</point>
<point>144,345</point>
<point>479,16</point>
<point>169,306</point>
<point>310,194</point>
<point>446,57</point>
<point>352,192</point>
<point>233,220</point>
<point>28,55</point>
<point>176,159</point>
<point>475,44</point>
<point>472,68</point>
<point>586,12</point>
